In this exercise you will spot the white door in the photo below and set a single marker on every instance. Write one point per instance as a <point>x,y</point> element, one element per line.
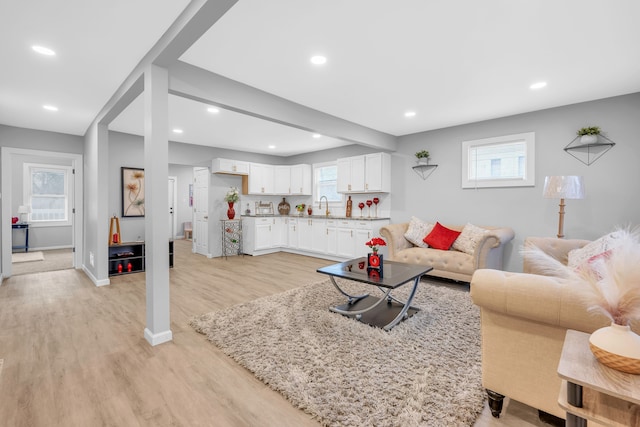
<point>201,211</point>
<point>172,203</point>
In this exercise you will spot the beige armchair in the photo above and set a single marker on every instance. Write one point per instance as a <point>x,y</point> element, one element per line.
<point>524,319</point>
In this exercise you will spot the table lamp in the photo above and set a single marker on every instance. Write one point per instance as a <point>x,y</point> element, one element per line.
<point>22,209</point>
<point>563,187</point>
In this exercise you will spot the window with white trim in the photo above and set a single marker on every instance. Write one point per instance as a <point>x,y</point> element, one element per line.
<point>325,182</point>
<point>503,161</point>
<point>47,191</point>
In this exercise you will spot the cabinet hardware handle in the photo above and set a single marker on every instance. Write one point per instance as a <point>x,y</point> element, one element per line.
<point>351,233</point>
<point>366,186</point>
<point>269,228</point>
<point>327,231</point>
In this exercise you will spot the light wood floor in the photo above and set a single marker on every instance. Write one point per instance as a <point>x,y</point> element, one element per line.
<point>72,354</point>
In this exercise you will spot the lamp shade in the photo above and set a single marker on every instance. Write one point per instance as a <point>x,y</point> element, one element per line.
<point>22,209</point>
<point>563,187</point>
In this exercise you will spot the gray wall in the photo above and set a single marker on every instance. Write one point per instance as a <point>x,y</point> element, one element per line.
<point>612,182</point>
<point>33,139</point>
<point>40,237</point>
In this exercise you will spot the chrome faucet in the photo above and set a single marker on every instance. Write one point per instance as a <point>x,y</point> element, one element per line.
<point>326,202</point>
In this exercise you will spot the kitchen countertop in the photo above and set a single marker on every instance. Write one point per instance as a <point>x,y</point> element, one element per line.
<point>355,218</point>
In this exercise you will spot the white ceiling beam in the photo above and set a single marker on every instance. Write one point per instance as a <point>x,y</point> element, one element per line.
<point>204,86</point>
<point>193,22</point>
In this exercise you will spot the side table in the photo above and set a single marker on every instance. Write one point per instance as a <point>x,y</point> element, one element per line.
<point>22,226</point>
<point>231,237</point>
<point>592,391</point>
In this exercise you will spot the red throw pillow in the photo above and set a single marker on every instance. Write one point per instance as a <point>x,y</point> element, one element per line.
<point>441,237</point>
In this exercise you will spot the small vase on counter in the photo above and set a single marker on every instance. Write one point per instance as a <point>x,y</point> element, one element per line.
<point>284,207</point>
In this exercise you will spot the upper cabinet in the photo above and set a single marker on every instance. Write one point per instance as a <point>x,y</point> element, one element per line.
<point>261,179</point>
<point>300,180</point>
<point>370,173</point>
<point>231,167</point>
<point>278,180</point>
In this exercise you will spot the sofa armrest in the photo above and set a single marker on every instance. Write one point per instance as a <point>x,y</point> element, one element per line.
<point>541,299</point>
<point>488,253</point>
<point>394,236</point>
<point>557,248</point>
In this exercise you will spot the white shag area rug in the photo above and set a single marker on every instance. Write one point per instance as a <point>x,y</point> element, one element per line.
<point>27,257</point>
<point>424,372</point>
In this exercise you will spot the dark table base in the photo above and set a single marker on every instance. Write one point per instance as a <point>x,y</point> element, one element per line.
<point>380,316</point>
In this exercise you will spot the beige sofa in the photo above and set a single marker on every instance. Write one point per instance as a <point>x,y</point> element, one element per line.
<point>449,264</point>
<point>524,319</point>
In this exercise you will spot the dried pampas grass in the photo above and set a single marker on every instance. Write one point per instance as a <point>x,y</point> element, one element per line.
<point>610,282</point>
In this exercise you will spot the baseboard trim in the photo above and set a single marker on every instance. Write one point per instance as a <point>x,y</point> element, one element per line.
<point>155,339</point>
<point>93,278</point>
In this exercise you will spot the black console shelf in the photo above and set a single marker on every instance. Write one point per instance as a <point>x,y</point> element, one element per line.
<point>129,257</point>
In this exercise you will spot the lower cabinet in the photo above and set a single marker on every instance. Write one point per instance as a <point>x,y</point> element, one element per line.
<point>334,238</point>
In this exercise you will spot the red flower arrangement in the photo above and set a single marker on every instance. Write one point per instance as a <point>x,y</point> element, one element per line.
<point>375,242</point>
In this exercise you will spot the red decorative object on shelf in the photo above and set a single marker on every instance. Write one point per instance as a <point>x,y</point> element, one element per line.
<point>129,267</point>
<point>231,213</point>
<point>361,206</point>
<point>375,202</point>
<point>120,268</point>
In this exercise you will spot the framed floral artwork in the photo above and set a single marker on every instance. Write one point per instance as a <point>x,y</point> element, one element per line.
<point>132,192</point>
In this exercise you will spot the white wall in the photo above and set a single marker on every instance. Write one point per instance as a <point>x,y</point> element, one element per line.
<point>612,182</point>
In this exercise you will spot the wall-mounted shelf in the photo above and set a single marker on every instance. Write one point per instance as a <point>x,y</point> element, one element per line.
<point>424,170</point>
<point>589,153</point>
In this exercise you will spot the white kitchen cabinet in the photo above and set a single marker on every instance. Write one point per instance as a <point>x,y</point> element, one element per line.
<point>346,239</point>
<point>305,234</point>
<point>332,237</point>
<point>282,180</point>
<point>292,180</point>
<point>377,173</point>
<point>351,174</point>
<point>319,233</point>
<point>300,180</point>
<point>369,173</point>
<point>230,167</point>
<point>280,232</point>
<point>264,234</point>
<point>261,179</point>
<point>292,238</point>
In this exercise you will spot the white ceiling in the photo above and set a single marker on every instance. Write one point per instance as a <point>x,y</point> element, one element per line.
<point>452,62</point>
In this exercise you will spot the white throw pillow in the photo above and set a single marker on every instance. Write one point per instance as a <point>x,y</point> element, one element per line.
<point>468,240</point>
<point>417,231</point>
<point>579,257</point>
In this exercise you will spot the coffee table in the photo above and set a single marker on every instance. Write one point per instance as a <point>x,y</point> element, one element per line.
<point>387,311</point>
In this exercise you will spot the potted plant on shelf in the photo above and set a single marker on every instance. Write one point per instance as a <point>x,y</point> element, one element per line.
<point>589,135</point>
<point>231,197</point>
<point>423,157</point>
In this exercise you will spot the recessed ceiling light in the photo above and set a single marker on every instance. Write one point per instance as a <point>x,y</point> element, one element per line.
<point>213,110</point>
<point>317,135</point>
<point>318,60</point>
<point>43,50</point>
<point>271,147</point>
<point>178,131</point>
<point>538,85</point>
<point>50,107</point>
<point>410,114</point>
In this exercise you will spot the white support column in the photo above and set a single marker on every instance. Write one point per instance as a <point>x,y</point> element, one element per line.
<point>156,164</point>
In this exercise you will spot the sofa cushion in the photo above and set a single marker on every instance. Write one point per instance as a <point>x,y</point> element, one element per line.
<point>468,240</point>
<point>580,257</point>
<point>441,237</point>
<point>450,261</point>
<point>417,231</point>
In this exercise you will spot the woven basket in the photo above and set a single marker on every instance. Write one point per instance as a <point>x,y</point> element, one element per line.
<point>615,361</point>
